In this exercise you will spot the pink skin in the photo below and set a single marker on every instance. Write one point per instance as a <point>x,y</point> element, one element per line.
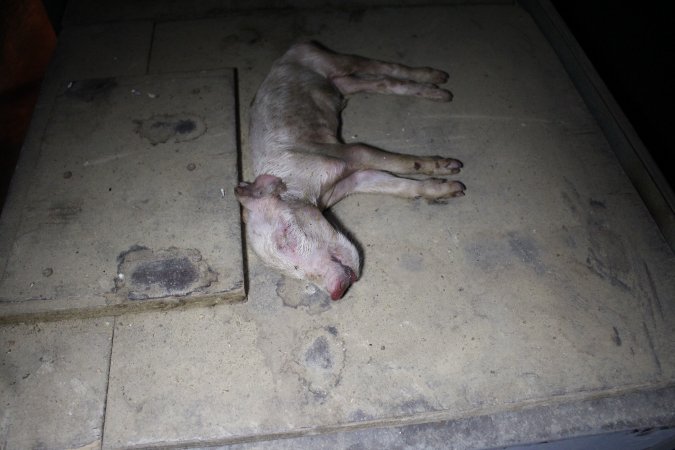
<point>302,166</point>
<point>342,284</point>
<point>296,238</point>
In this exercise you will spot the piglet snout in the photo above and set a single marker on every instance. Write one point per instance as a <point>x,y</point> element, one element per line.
<point>346,280</point>
<point>340,290</point>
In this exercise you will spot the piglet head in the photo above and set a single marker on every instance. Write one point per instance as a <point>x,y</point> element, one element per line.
<point>295,238</point>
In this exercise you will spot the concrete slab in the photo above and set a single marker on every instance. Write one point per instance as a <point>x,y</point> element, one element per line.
<point>124,198</point>
<point>543,298</point>
<point>104,50</point>
<point>189,375</point>
<point>53,380</point>
<point>548,283</point>
<point>81,12</point>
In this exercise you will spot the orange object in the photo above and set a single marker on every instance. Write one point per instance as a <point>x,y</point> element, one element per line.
<point>27,42</point>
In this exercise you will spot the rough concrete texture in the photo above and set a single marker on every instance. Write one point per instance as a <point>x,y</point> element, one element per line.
<point>53,381</point>
<point>535,286</point>
<point>547,285</point>
<point>125,196</point>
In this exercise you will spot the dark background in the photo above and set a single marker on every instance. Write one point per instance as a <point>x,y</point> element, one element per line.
<point>631,45</point>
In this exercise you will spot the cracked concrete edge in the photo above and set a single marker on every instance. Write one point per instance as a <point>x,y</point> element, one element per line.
<point>12,313</point>
<point>635,408</point>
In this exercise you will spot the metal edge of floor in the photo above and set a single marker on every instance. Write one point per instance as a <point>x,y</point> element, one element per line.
<point>577,417</point>
<point>629,149</point>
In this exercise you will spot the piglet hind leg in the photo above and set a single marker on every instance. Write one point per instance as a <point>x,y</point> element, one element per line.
<point>333,64</point>
<point>352,84</point>
<point>436,190</point>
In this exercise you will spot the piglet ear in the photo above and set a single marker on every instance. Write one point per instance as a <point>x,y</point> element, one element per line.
<point>269,185</point>
<point>263,186</point>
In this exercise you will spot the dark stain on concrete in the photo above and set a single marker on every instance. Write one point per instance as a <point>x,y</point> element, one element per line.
<point>182,126</point>
<point>654,292</point>
<point>597,204</point>
<point>245,35</point>
<point>526,250</point>
<point>171,274</point>
<point>607,255</point>
<point>144,274</point>
<point>61,213</point>
<point>486,255</point>
<point>359,416</point>
<point>298,294</point>
<point>493,254</point>
<point>419,405</point>
<point>319,355</point>
<point>615,337</point>
<point>163,128</point>
<point>90,90</point>
<point>650,342</point>
<point>319,361</point>
<point>569,202</point>
<point>411,262</point>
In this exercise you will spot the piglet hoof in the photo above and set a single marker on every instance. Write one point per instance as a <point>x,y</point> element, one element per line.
<point>437,76</point>
<point>438,95</point>
<point>439,190</point>
<point>447,166</point>
<point>437,165</point>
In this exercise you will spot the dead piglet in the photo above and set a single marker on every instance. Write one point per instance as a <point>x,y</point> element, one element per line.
<point>302,166</point>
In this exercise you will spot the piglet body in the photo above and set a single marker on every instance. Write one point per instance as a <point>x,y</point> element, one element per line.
<point>302,166</point>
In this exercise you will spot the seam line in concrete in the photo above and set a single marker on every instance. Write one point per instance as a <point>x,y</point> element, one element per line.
<point>107,385</point>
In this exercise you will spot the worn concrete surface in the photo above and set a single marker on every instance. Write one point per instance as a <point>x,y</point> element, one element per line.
<point>53,383</point>
<point>547,285</point>
<point>530,287</point>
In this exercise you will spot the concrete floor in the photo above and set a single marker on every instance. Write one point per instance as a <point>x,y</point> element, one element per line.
<point>538,307</point>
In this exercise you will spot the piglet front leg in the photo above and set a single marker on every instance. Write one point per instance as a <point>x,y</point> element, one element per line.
<point>363,156</point>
